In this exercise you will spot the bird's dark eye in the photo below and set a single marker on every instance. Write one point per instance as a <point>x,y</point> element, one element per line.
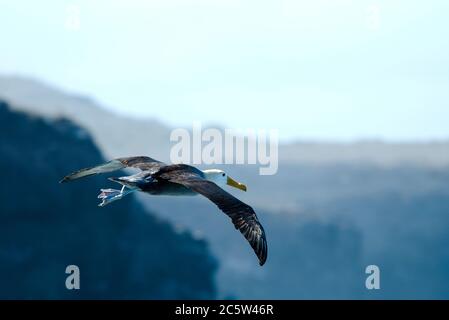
<point>224,174</point>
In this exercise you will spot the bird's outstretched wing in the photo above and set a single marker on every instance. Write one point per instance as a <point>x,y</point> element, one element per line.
<point>142,163</point>
<point>242,215</point>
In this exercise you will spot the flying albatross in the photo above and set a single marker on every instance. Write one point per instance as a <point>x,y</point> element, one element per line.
<point>158,178</point>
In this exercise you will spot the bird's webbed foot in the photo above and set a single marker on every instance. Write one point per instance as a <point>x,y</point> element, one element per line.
<point>110,195</point>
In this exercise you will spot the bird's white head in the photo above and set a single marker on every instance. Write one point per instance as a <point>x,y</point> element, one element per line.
<point>222,179</point>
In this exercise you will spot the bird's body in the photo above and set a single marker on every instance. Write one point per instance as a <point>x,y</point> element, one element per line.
<point>157,178</point>
<point>165,188</point>
<point>162,187</point>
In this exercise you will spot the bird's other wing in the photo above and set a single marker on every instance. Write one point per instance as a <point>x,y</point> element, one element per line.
<point>242,215</point>
<point>142,163</point>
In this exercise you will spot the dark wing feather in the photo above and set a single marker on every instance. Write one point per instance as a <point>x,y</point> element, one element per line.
<point>242,215</point>
<point>142,163</point>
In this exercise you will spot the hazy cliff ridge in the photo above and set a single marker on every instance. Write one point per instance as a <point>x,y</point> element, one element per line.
<point>151,136</point>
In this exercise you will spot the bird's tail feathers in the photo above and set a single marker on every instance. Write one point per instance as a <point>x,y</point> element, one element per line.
<point>103,168</point>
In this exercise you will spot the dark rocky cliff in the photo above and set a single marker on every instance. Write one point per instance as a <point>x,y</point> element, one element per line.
<point>122,250</point>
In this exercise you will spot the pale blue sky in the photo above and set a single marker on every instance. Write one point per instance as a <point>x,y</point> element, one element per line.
<point>323,69</point>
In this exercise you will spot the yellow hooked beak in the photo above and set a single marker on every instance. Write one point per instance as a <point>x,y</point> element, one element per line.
<point>235,184</point>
